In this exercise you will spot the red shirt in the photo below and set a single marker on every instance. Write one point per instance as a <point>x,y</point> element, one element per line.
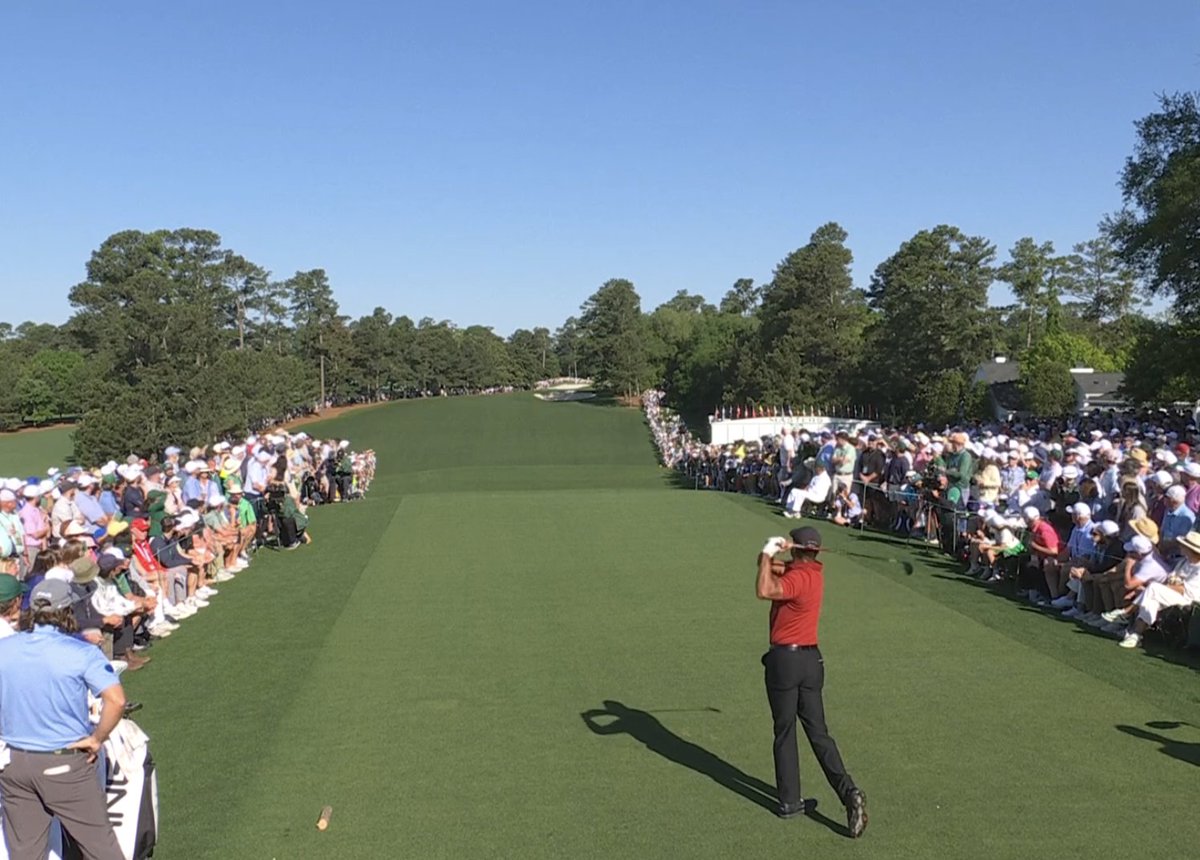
<point>1044,533</point>
<point>794,618</point>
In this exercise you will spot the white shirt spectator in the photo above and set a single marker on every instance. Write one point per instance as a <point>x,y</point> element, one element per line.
<point>64,511</point>
<point>108,600</point>
<point>62,573</point>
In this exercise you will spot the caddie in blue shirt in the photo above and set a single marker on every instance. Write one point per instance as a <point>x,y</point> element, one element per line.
<point>45,677</point>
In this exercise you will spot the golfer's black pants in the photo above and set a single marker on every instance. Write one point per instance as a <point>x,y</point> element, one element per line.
<point>794,681</point>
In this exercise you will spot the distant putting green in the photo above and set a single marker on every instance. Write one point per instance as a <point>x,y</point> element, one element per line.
<point>528,643</point>
<point>31,452</point>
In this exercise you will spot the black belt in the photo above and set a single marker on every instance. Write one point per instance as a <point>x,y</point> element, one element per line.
<point>64,751</point>
<point>793,647</point>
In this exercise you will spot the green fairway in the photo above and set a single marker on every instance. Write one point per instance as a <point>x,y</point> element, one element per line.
<point>31,452</point>
<point>527,643</point>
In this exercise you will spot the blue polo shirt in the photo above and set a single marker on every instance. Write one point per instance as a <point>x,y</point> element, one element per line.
<point>1177,523</point>
<point>45,677</point>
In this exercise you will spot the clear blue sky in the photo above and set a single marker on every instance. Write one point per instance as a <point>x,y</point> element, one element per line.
<point>495,162</point>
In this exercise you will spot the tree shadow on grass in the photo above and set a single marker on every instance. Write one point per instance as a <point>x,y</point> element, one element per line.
<point>616,718</point>
<point>1184,751</point>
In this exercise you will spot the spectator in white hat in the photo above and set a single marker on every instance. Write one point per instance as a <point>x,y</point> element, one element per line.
<point>258,475</point>
<point>200,487</point>
<point>1177,521</point>
<point>12,534</point>
<point>87,500</point>
<point>223,537</point>
<point>35,522</point>
<point>174,503</point>
<point>1190,477</point>
<point>1182,588</point>
<point>1146,567</point>
<point>1080,550</point>
<point>1102,573</point>
<point>133,497</point>
<point>1043,546</point>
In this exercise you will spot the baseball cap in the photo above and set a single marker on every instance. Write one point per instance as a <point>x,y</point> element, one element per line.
<point>7,495</point>
<point>51,594</point>
<point>10,587</point>
<point>140,523</point>
<point>109,562</point>
<point>1176,493</point>
<point>1080,509</point>
<point>1139,544</point>
<point>1108,528</point>
<point>1031,513</point>
<point>806,537</point>
<point>1031,475</point>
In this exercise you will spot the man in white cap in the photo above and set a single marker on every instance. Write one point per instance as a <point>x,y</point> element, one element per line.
<point>1182,588</point>
<point>1146,568</point>
<point>87,500</point>
<point>1098,576</point>
<point>12,544</point>
<point>35,521</point>
<point>1177,521</point>
<point>1043,553</point>
<point>257,477</point>
<point>1080,550</point>
<point>1190,477</point>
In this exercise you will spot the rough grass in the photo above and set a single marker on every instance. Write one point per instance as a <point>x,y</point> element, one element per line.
<point>31,452</point>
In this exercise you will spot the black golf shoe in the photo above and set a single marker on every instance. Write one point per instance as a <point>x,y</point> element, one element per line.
<point>790,810</point>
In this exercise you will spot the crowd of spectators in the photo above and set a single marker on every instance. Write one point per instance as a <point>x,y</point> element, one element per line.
<point>1093,516</point>
<point>143,543</point>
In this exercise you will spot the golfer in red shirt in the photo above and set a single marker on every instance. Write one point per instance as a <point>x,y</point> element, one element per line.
<point>796,673</point>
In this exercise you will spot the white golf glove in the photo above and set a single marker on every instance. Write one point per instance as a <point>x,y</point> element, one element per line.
<point>774,545</point>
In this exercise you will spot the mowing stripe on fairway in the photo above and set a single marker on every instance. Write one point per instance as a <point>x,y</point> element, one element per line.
<point>424,668</point>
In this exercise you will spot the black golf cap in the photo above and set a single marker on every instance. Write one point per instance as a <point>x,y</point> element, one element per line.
<point>806,537</point>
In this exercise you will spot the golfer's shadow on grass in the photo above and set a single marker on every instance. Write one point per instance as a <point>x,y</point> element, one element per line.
<point>617,719</point>
<point>1189,752</point>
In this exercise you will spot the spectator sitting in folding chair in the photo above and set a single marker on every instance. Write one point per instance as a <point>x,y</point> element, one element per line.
<point>816,493</point>
<point>1182,588</point>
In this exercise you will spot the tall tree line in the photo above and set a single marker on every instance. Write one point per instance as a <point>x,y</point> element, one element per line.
<point>176,338</point>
